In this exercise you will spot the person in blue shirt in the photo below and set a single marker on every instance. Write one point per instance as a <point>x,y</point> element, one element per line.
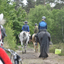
<point>41,27</point>
<point>25,27</point>
<point>43,37</point>
<point>42,24</point>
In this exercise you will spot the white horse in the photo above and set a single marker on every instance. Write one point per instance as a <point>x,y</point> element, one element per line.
<point>24,39</point>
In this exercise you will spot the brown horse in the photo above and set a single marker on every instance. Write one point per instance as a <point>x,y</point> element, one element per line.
<point>34,43</point>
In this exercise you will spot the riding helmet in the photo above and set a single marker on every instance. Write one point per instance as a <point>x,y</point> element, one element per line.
<point>44,17</point>
<point>25,22</point>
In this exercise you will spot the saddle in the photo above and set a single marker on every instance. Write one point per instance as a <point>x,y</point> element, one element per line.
<point>41,34</point>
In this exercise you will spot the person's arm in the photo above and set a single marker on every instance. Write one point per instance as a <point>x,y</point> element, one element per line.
<point>4,56</point>
<point>28,29</point>
<point>46,25</point>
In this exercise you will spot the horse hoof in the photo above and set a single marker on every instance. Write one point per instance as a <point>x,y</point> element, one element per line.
<point>22,52</point>
<point>25,51</point>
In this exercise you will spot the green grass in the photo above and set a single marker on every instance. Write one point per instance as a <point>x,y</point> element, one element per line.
<point>57,46</point>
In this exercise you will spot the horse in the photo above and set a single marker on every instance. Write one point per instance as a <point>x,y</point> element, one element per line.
<point>24,39</point>
<point>44,41</point>
<point>32,39</point>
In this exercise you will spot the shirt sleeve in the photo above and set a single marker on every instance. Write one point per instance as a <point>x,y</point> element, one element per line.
<point>28,29</point>
<point>46,25</point>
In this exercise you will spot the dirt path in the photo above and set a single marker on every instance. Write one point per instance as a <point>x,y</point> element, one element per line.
<point>32,58</point>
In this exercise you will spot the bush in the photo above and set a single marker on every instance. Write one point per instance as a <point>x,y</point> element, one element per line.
<point>9,41</point>
<point>57,46</point>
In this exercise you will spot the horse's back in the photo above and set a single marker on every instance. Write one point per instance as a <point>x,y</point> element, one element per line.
<point>33,37</point>
<point>41,34</point>
<point>44,37</point>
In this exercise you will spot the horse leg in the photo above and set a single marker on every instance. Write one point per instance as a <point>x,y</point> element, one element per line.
<point>37,47</point>
<point>25,48</point>
<point>34,45</point>
<point>22,46</point>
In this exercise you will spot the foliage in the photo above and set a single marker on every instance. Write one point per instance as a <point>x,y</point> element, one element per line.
<point>57,46</point>
<point>40,2</point>
<point>35,16</point>
<point>57,30</point>
<point>30,4</point>
<point>10,39</point>
<point>54,20</point>
<point>15,16</point>
<point>14,19</point>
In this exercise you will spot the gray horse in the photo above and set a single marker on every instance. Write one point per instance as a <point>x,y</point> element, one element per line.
<point>44,41</point>
<point>24,39</point>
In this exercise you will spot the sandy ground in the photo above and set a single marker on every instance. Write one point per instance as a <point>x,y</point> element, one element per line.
<point>32,58</point>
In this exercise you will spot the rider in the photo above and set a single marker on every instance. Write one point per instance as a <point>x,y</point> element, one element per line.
<point>43,40</point>
<point>42,24</point>
<point>42,27</point>
<point>36,28</point>
<point>26,27</point>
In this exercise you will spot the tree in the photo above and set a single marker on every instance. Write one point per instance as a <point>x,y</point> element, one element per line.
<point>59,5</point>
<point>14,17</point>
<point>40,2</point>
<point>35,16</point>
<point>5,8</point>
<point>19,3</point>
<point>30,4</point>
<point>58,29</point>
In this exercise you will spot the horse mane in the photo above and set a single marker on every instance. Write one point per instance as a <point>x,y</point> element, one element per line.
<point>24,34</point>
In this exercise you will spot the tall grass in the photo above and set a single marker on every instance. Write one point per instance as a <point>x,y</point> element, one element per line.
<point>9,41</point>
<point>52,48</point>
<point>57,46</point>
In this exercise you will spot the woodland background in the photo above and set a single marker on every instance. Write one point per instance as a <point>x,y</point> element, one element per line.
<point>16,12</point>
